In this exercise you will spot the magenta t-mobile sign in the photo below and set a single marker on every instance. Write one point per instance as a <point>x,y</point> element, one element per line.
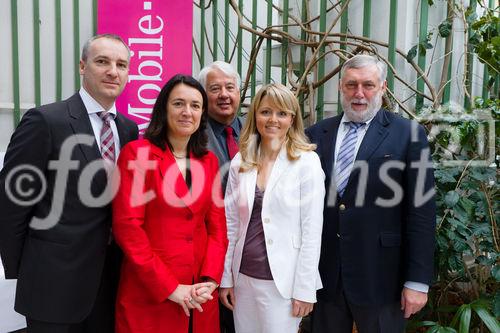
<point>159,34</point>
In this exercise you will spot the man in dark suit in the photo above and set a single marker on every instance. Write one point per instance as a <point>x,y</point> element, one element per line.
<point>56,213</point>
<point>379,218</point>
<point>222,84</point>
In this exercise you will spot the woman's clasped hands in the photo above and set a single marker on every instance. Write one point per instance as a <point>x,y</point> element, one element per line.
<point>191,296</point>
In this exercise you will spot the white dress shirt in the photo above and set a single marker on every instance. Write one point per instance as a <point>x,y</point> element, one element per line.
<point>342,132</point>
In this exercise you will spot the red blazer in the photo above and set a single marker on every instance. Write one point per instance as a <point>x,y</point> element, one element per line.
<point>170,236</point>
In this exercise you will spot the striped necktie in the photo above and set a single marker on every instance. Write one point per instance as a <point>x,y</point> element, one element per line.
<point>345,157</point>
<point>107,140</point>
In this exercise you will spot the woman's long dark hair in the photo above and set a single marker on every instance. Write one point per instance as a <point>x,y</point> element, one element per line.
<point>157,130</point>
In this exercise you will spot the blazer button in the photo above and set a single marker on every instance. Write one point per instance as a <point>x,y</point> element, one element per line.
<point>338,235</point>
<point>270,242</point>
<point>342,207</point>
<point>266,220</point>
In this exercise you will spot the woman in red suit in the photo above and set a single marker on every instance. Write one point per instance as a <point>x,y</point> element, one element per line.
<point>168,217</point>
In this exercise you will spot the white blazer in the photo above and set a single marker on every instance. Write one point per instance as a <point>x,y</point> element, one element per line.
<point>292,218</point>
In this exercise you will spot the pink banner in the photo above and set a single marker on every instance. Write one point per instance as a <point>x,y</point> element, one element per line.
<point>159,34</point>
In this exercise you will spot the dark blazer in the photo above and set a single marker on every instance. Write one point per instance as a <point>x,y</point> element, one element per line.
<point>58,269</point>
<point>215,147</point>
<point>368,249</point>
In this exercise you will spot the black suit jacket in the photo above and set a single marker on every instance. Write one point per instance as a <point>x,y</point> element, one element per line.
<point>367,249</point>
<point>58,269</point>
<point>215,147</point>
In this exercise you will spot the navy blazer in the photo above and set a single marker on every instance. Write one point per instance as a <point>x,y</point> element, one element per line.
<point>372,246</point>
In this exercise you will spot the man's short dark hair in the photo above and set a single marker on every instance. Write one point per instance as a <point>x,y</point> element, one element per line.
<point>86,46</point>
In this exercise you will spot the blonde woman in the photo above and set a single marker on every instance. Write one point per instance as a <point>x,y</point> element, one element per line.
<point>274,211</point>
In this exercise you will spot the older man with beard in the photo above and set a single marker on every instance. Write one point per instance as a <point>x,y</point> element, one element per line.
<point>379,216</point>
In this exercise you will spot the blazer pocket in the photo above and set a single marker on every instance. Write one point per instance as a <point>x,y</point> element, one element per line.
<point>386,157</point>
<point>296,242</point>
<point>389,239</point>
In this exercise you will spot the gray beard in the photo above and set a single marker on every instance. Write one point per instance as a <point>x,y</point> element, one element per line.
<point>361,116</point>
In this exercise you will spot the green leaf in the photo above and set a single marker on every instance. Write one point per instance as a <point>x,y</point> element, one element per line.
<point>496,304</point>
<point>471,15</point>
<point>455,262</point>
<point>495,272</point>
<point>495,41</point>
<point>430,2</point>
<point>480,174</point>
<point>465,320</point>
<point>460,246</point>
<point>422,51</point>
<point>467,205</point>
<point>445,29</point>
<point>451,198</point>
<point>444,176</point>
<point>412,53</point>
<point>484,260</point>
<point>491,81</point>
<point>456,317</point>
<point>487,318</point>
<point>428,46</point>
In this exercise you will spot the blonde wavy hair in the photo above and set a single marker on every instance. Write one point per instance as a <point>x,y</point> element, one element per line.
<point>296,141</point>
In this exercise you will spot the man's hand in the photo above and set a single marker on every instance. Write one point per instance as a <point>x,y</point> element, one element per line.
<point>226,296</point>
<point>412,301</point>
<point>300,308</point>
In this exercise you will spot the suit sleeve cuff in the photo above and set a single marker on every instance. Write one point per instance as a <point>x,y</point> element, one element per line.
<point>422,287</point>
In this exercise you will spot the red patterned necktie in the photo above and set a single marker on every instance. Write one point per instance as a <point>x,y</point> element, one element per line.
<point>232,146</point>
<point>107,141</point>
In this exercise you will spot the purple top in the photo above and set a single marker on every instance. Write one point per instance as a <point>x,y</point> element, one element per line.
<point>254,261</point>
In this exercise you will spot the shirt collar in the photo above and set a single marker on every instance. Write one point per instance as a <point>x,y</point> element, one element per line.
<point>218,128</point>
<point>92,105</point>
<point>346,120</point>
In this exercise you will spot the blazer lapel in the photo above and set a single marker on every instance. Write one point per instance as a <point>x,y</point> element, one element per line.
<point>180,195</point>
<point>248,182</point>
<point>374,136</point>
<point>80,123</point>
<point>214,145</point>
<point>280,165</point>
<point>123,133</point>
<point>327,145</point>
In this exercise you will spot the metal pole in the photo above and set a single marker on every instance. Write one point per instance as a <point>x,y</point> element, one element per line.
<point>424,16</point>
<point>36,48</point>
